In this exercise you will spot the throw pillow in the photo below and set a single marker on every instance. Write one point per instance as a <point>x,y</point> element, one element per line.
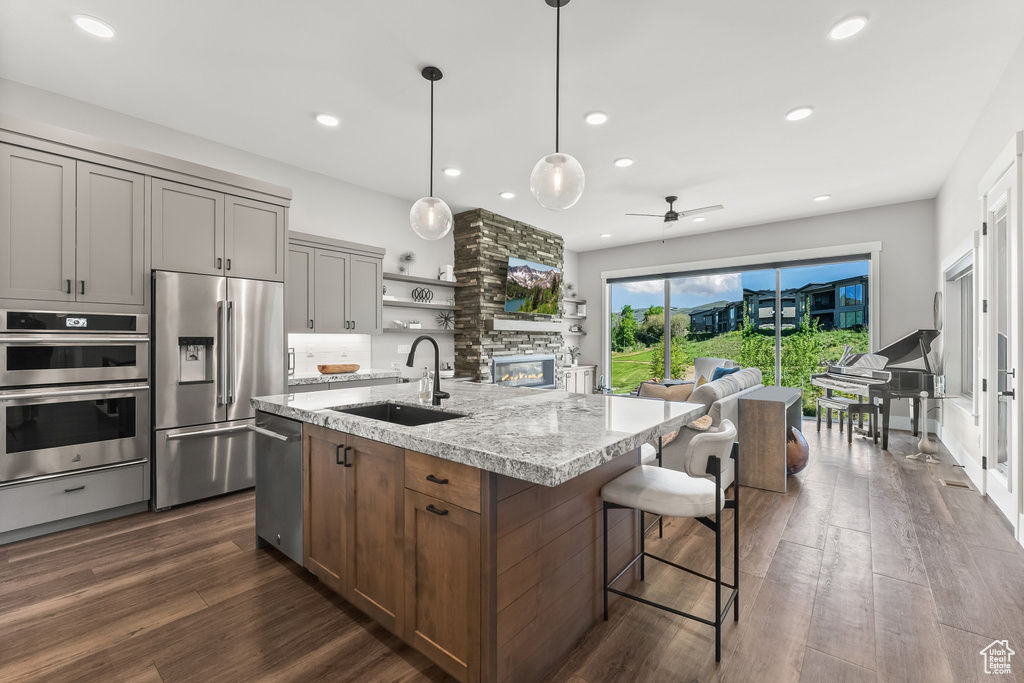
<point>722,372</point>
<point>675,392</point>
<point>701,381</point>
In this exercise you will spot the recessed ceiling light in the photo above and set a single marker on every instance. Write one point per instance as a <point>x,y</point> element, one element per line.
<point>848,27</point>
<point>507,195</point>
<point>799,113</point>
<point>452,171</point>
<point>94,26</point>
<point>623,162</point>
<point>596,118</point>
<point>327,120</point>
<point>605,236</point>
<point>823,198</point>
<point>699,219</point>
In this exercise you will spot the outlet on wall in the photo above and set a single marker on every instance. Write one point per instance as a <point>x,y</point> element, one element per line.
<point>404,348</point>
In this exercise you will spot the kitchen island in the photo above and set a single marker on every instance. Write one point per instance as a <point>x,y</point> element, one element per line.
<point>476,539</point>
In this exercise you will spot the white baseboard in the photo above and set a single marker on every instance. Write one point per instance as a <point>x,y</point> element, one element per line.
<point>972,468</point>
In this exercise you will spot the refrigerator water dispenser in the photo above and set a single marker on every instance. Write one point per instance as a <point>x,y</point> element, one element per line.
<point>195,360</point>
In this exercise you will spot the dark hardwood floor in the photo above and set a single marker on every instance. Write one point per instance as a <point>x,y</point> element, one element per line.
<point>868,569</point>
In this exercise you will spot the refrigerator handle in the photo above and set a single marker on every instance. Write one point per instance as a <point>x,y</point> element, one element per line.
<point>221,355</point>
<point>230,352</point>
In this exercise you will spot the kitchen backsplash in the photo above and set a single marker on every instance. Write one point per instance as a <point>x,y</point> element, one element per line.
<point>322,349</point>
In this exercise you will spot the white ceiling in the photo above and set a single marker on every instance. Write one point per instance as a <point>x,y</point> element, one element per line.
<point>695,93</point>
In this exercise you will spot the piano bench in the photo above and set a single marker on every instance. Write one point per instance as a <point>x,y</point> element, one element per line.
<point>834,403</point>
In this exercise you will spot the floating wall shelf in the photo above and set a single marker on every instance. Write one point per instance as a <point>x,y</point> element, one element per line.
<point>418,304</point>
<point>431,330</point>
<point>399,277</point>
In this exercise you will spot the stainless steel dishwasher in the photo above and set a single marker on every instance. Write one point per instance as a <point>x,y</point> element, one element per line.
<point>279,484</point>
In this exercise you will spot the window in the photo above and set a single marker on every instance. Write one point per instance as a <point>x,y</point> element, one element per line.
<point>734,314</point>
<point>967,333</point>
<point>959,327</point>
<point>851,295</point>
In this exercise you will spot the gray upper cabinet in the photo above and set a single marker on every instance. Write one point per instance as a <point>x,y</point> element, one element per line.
<point>254,239</point>
<point>330,285</point>
<point>364,295</point>
<point>298,290</point>
<point>333,287</point>
<point>48,252</point>
<point>188,229</point>
<point>37,225</point>
<point>111,236</point>
<point>201,231</point>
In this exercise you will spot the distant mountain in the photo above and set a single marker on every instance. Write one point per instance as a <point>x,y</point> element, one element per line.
<point>529,277</point>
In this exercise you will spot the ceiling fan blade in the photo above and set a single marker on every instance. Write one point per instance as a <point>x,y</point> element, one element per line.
<point>703,209</point>
<point>652,215</point>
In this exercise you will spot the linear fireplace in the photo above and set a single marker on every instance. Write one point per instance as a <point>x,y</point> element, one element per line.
<point>525,371</point>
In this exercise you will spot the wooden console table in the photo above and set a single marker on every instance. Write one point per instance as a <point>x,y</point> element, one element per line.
<point>765,417</point>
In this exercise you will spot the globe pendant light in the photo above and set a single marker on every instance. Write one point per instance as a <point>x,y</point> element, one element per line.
<point>557,179</point>
<point>430,217</point>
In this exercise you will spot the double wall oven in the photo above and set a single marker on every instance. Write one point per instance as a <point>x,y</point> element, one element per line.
<point>74,393</point>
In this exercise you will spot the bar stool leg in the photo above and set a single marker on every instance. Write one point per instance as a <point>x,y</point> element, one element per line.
<point>642,558</point>
<point>604,543</point>
<point>718,570</point>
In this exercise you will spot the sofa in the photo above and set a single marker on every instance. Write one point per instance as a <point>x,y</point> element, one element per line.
<point>720,399</point>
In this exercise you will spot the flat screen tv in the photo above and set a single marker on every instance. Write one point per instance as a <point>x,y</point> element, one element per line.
<point>532,287</point>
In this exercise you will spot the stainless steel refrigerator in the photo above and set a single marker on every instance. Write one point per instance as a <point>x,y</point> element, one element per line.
<point>217,341</point>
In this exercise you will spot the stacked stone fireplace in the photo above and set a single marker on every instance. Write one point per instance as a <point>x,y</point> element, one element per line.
<point>483,243</point>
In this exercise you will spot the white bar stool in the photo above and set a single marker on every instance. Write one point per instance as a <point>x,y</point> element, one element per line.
<point>709,466</point>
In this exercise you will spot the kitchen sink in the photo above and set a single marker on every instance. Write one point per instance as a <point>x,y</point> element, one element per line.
<point>399,413</point>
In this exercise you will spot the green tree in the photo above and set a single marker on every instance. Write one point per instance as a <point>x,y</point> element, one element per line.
<point>681,360</point>
<point>757,350</point>
<point>654,310</point>
<point>624,334</point>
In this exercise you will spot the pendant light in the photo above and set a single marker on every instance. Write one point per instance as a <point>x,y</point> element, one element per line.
<point>557,179</point>
<point>430,217</point>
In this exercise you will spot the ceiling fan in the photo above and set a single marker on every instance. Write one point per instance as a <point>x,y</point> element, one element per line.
<point>673,215</point>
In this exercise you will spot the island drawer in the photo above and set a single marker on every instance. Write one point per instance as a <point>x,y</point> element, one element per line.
<point>449,481</point>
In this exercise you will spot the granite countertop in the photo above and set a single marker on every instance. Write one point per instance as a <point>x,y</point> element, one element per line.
<point>317,378</point>
<point>536,435</point>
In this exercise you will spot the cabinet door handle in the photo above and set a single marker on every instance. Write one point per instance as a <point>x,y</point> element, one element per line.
<point>431,477</point>
<point>229,264</point>
<point>69,286</point>
<point>346,324</point>
<point>436,511</point>
<point>347,463</point>
<point>337,455</point>
<point>74,488</point>
<point>82,285</point>
<point>219,261</point>
<point>310,323</point>
<point>353,324</point>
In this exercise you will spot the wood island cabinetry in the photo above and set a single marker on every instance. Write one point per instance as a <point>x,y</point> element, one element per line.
<point>353,519</point>
<point>491,577</point>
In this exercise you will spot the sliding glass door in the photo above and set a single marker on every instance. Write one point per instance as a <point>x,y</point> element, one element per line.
<point>786,319</point>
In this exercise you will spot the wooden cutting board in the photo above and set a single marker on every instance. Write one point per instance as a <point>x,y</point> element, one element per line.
<point>337,369</point>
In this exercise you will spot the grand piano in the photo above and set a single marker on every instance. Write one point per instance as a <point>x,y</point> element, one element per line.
<point>878,376</point>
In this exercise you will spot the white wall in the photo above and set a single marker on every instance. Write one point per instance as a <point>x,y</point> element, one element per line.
<point>907,269</point>
<point>958,209</point>
<point>320,205</point>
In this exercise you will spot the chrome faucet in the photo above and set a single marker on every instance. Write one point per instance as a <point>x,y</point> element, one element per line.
<point>437,394</point>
